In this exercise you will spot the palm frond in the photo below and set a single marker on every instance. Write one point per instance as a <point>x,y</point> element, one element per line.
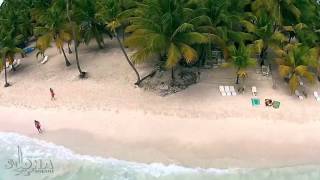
<point>189,54</point>
<point>174,56</point>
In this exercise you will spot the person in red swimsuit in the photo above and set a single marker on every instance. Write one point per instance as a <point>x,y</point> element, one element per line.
<point>38,126</point>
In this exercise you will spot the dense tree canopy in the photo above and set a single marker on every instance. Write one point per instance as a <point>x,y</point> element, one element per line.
<point>178,31</point>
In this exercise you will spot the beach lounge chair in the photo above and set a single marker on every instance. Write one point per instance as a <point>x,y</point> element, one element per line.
<point>227,89</point>
<point>316,95</point>
<point>222,91</point>
<point>16,63</point>
<point>254,91</point>
<point>276,104</point>
<point>255,102</point>
<point>45,59</point>
<point>233,91</point>
<point>298,94</point>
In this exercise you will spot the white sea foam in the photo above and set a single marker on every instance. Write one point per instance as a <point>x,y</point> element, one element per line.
<point>71,166</point>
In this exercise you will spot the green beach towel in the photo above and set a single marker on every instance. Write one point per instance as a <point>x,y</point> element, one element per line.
<point>276,104</point>
<point>255,102</point>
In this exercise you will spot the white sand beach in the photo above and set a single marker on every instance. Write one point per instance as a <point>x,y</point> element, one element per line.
<point>106,115</point>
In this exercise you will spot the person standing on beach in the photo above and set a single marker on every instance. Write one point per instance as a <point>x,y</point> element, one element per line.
<point>38,126</point>
<point>52,94</point>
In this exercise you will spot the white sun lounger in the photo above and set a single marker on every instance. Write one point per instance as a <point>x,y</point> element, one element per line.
<point>17,63</point>
<point>222,91</point>
<point>316,95</point>
<point>227,89</point>
<point>254,91</point>
<point>233,91</point>
<point>45,59</point>
<point>298,94</point>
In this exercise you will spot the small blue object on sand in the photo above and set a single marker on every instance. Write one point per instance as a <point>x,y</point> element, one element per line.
<point>255,102</point>
<point>28,50</point>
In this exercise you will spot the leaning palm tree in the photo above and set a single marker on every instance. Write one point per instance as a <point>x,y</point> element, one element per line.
<point>55,29</point>
<point>112,14</point>
<point>294,63</point>
<point>163,27</point>
<point>69,5</point>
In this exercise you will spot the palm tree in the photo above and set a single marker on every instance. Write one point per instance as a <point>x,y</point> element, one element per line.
<point>294,63</point>
<point>69,5</point>
<point>55,29</point>
<point>227,20</point>
<point>162,26</point>
<point>8,50</point>
<point>85,14</point>
<point>282,12</point>
<point>241,59</point>
<point>262,27</point>
<point>111,13</point>
<point>15,16</point>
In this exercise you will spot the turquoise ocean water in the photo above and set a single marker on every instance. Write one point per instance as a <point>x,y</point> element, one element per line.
<point>39,160</point>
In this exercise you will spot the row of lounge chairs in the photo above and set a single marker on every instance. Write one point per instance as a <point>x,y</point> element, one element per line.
<point>16,63</point>
<point>227,91</point>
<point>230,91</point>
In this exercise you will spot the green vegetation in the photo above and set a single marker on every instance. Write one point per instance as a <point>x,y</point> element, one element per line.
<point>178,31</point>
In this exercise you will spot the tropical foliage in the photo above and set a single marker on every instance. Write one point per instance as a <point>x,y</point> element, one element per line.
<point>295,64</point>
<point>55,28</point>
<point>247,32</point>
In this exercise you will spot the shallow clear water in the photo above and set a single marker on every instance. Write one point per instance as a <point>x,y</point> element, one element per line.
<point>35,154</point>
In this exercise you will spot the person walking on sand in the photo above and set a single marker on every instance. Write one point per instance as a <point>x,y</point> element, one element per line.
<point>38,126</point>
<point>52,94</point>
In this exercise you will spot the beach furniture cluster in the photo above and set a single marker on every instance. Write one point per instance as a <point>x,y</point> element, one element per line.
<point>16,63</point>
<point>227,90</point>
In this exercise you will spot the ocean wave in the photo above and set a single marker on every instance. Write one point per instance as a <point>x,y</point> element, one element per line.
<point>71,166</point>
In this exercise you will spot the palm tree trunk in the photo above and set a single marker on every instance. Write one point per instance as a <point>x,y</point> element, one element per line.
<point>128,60</point>
<point>98,38</point>
<point>238,76</point>
<point>65,58</point>
<point>99,43</point>
<point>237,81</point>
<point>172,76</point>
<point>123,34</point>
<point>70,51</point>
<point>6,84</point>
<point>82,74</point>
